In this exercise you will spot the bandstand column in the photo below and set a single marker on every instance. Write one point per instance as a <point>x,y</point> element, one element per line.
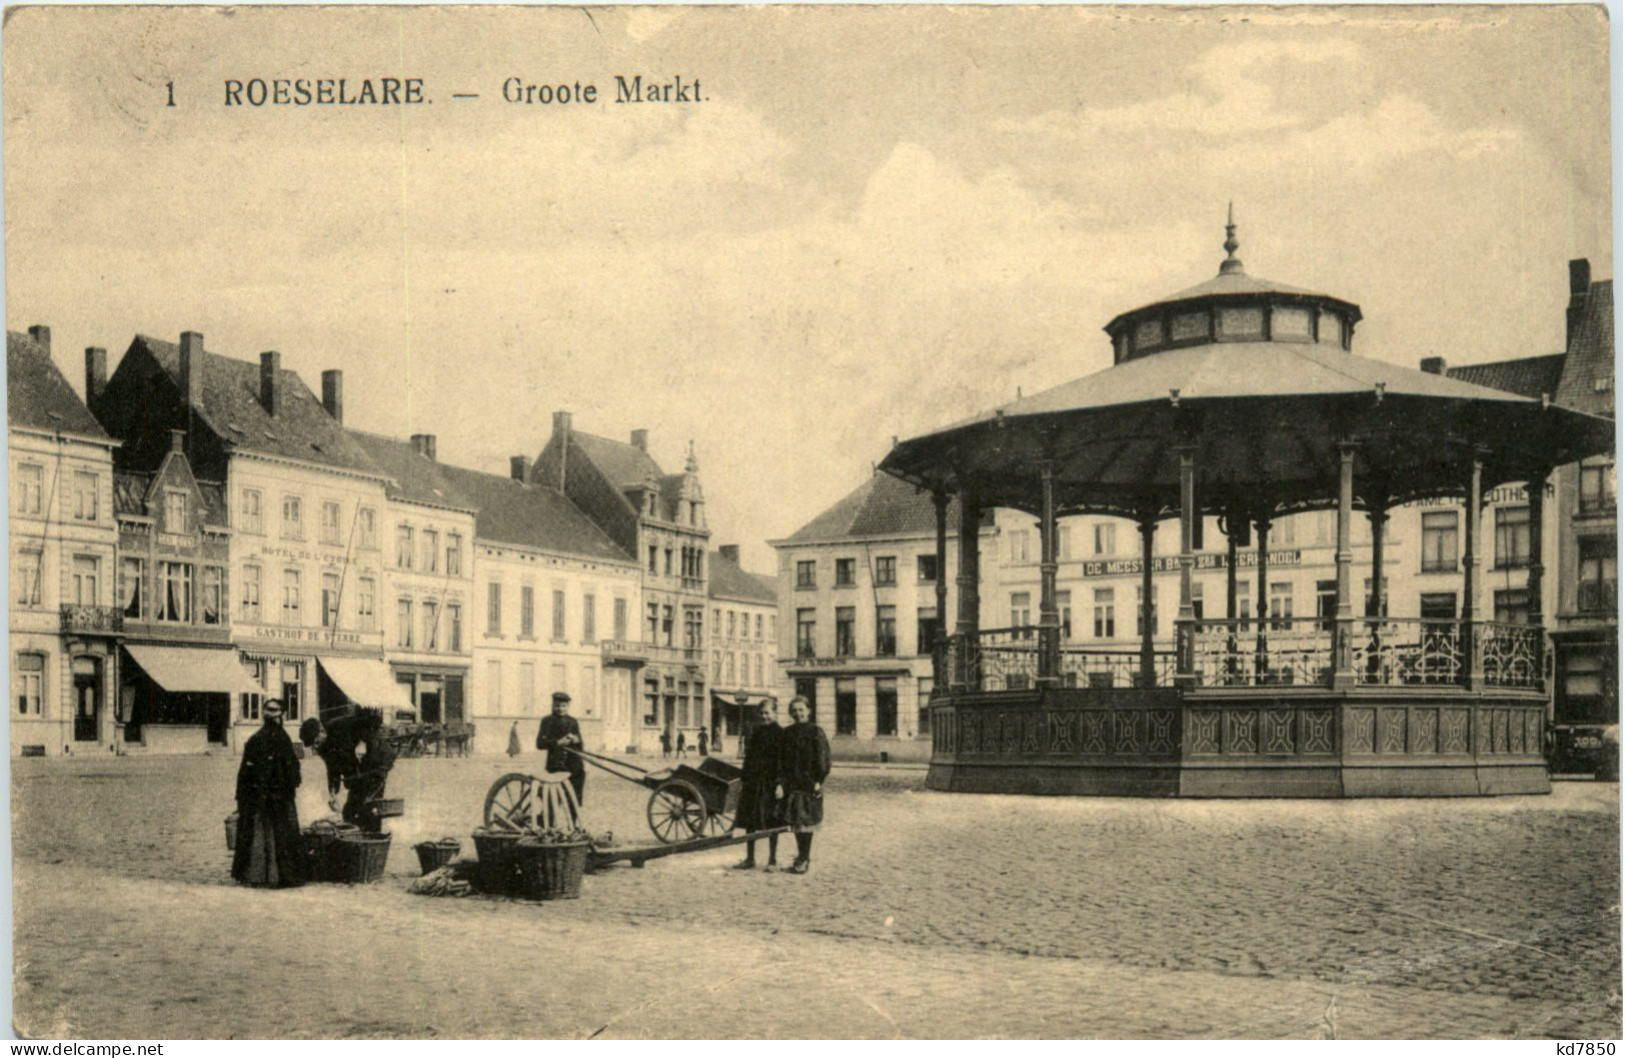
<point>1148,653</point>
<point>939,677</point>
<point>1186,624</point>
<point>1473,664</point>
<point>1261,654</point>
<point>1049,614</point>
<point>1377,602</point>
<point>1343,617</point>
<point>967,663</point>
<point>1232,535</point>
<point>1536,584</point>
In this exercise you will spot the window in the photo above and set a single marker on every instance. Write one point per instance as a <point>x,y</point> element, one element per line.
<point>925,629</point>
<point>654,624</point>
<point>29,495</point>
<point>1105,613</point>
<point>84,588</point>
<point>293,518</point>
<point>330,522</point>
<point>1285,531</point>
<point>431,625</point>
<point>1596,488</point>
<point>728,667</point>
<point>454,627</point>
<point>1511,537</point>
<point>654,559</point>
<point>651,702</point>
<point>251,593</point>
<point>87,495</point>
<point>886,570</point>
<point>293,679</point>
<point>665,624</point>
<point>1063,604</point>
<point>885,631</point>
<point>527,686</point>
<point>682,704</point>
<point>1597,573</point>
<point>1196,599</point>
<point>454,554</point>
<point>527,612</point>
<point>27,578</point>
<point>1140,610</point>
<point>431,551</point>
<point>773,627</point>
<point>174,510</point>
<point>558,615</point>
<point>1439,553</point>
<point>1105,538</point>
<point>922,720</point>
<point>255,671</point>
<point>846,639</point>
<point>758,627</point>
<point>1244,604</point>
<point>927,565</point>
<point>1512,606</point>
<point>805,574</point>
<point>28,684</point>
<point>1021,609</point>
<point>1281,605</point>
<point>131,572</point>
<point>1063,542</point>
<point>493,686</point>
<point>493,609</point>
<point>366,523</point>
<point>620,618</point>
<point>846,572</point>
<point>716,664</point>
<point>1020,546</point>
<point>733,616</point>
<point>366,603</point>
<point>589,618</point>
<point>291,589</point>
<point>1326,603</point>
<point>885,706</point>
<point>1438,606</point>
<point>403,622</point>
<point>846,707</point>
<point>668,562</point>
<point>403,547</point>
<point>212,595</point>
<point>806,633</point>
<point>761,681</point>
<point>693,627</point>
<point>330,600</point>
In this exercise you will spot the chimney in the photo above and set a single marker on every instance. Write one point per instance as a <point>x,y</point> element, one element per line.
<point>271,383</point>
<point>640,440</point>
<point>177,440</point>
<point>561,424</point>
<point>518,468</point>
<point>1433,365</point>
<point>333,394</point>
<point>730,552</point>
<point>41,335</point>
<point>561,430</point>
<point>95,374</point>
<point>423,443</point>
<point>1579,287</point>
<point>191,369</point>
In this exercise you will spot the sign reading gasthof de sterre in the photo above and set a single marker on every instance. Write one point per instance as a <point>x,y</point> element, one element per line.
<point>412,91</point>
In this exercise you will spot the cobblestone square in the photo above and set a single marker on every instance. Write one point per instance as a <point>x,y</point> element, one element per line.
<point>925,915</point>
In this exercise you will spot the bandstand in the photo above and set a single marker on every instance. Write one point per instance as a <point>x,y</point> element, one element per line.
<point>1242,399</point>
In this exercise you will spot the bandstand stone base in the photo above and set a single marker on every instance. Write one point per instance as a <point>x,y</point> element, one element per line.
<point>1256,742</point>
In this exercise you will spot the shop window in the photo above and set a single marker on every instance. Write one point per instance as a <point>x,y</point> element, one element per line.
<point>1196,599</point>
<point>28,684</point>
<point>846,707</point>
<point>293,687</point>
<point>885,706</point>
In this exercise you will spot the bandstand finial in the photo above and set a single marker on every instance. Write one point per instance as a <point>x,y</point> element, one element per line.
<point>1231,263</point>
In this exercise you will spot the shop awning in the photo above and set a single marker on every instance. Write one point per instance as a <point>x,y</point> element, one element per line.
<point>367,683</point>
<point>184,670</point>
<point>732,698</point>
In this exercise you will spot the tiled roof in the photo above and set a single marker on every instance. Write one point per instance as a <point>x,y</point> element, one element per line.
<point>1530,376</point>
<point>671,492</point>
<point>729,581</point>
<point>231,406</point>
<point>533,516</point>
<point>624,465</point>
<point>881,506</point>
<point>1591,355</point>
<point>415,477</point>
<point>37,394</point>
<point>130,492</point>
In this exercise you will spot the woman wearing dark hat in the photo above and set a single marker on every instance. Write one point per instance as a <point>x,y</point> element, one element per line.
<point>270,850</point>
<point>760,788</point>
<point>803,767</point>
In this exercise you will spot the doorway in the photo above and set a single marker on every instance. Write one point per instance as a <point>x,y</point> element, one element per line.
<point>87,699</point>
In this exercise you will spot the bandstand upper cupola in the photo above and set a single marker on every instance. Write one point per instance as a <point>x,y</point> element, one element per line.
<point>1233,307</point>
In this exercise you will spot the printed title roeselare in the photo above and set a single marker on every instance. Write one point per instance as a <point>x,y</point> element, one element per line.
<point>411,91</point>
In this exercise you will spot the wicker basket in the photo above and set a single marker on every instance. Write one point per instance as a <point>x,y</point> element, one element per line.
<point>496,872</point>
<point>358,858</point>
<point>552,871</point>
<point>433,855</point>
<point>320,837</point>
<point>231,832</point>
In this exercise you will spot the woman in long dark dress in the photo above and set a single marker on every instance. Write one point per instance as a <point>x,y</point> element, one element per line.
<point>760,789</point>
<point>270,851</point>
<point>803,767</point>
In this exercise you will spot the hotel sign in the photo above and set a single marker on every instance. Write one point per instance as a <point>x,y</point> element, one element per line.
<point>317,637</point>
<point>1124,567</point>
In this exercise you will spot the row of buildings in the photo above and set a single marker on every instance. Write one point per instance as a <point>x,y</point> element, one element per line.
<point>200,533</point>
<point>861,597</point>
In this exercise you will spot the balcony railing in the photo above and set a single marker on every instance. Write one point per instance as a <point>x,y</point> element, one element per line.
<point>92,620</point>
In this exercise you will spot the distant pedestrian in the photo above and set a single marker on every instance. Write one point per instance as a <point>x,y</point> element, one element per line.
<point>513,740</point>
<point>761,789</point>
<point>270,849</point>
<point>804,767</point>
<point>682,745</point>
<point>705,743</point>
<point>665,744</point>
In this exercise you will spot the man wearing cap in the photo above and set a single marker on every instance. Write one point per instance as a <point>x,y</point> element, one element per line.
<point>558,731</point>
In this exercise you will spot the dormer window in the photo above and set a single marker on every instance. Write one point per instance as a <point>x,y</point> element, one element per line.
<point>1331,329</point>
<point>1290,324</point>
<point>1189,325</point>
<point>1245,322</point>
<point>1148,334</point>
<point>174,510</point>
<point>652,511</point>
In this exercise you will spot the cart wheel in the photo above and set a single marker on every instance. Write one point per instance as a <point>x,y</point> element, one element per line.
<point>676,812</point>
<point>511,800</point>
<point>719,824</point>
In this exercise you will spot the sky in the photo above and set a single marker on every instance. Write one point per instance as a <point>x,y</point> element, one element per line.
<point>877,222</point>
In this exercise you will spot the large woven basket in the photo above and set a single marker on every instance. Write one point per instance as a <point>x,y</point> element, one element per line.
<point>551,870</point>
<point>496,872</point>
<point>359,858</point>
<point>433,855</point>
<point>320,837</point>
